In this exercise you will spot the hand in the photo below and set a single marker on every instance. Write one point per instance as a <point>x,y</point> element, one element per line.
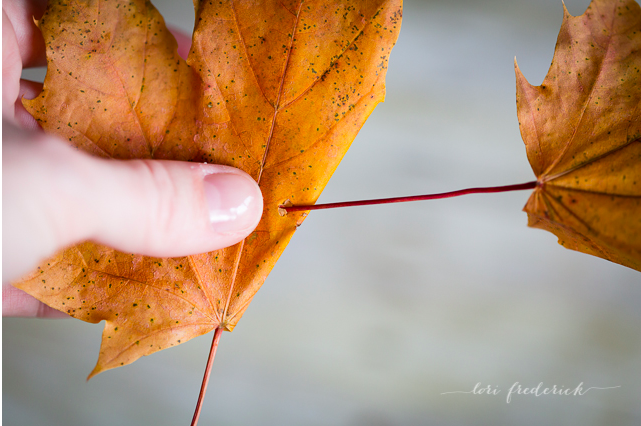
<point>55,196</point>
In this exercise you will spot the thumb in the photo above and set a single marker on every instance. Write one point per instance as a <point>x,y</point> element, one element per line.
<point>55,196</point>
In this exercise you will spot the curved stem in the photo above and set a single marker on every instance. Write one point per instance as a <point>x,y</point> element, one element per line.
<point>291,208</point>
<point>203,387</point>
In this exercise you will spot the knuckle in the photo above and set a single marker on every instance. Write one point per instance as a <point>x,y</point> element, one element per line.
<point>160,192</point>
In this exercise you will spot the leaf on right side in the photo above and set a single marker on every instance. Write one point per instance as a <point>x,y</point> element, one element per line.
<point>582,132</point>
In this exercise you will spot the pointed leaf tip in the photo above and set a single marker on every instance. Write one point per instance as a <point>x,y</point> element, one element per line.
<point>566,12</point>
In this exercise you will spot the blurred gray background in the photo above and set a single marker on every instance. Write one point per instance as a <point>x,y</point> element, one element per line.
<point>373,312</point>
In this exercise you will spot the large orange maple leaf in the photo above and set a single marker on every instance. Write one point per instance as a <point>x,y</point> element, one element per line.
<point>278,89</point>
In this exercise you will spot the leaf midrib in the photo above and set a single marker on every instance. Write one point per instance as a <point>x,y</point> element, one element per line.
<point>592,89</point>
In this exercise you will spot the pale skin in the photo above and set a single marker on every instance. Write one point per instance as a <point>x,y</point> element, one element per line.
<point>55,196</point>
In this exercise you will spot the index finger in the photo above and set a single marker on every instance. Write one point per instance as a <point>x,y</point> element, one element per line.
<point>17,303</point>
<point>30,41</point>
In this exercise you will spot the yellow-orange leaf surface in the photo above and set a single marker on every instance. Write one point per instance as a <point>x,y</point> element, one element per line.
<point>582,131</point>
<point>277,88</point>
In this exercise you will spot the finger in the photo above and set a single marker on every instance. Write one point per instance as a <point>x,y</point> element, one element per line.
<point>183,39</point>
<point>17,303</point>
<point>29,38</point>
<point>11,67</point>
<point>58,196</point>
<point>28,90</point>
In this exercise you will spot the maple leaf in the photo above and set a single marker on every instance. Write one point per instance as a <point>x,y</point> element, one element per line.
<point>582,132</point>
<point>278,89</point>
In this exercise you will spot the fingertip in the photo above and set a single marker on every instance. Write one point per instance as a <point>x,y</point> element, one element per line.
<point>17,303</point>
<point>183,39</point>
<point>28,90</point>
<point>234,202</point>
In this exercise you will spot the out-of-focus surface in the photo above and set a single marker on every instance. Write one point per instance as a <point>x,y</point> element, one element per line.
<point>373,312</point>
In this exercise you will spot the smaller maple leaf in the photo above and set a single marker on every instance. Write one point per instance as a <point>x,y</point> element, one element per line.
<point>582,132</point>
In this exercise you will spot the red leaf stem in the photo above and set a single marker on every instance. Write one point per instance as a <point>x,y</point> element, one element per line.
<point>288,208</point>
<point>203,387</point>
